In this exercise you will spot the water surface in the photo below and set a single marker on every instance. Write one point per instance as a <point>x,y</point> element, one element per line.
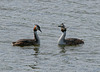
<point>17,19</point>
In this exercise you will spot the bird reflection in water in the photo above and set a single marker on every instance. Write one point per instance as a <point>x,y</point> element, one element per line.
<point>62,47</point>
<point>35,65</point>
<point>36,58</point>
<point>36,49</point>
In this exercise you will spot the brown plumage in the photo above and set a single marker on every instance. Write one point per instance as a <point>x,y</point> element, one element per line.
<point>24,42</point>
<point>73,41</point>
<point>68,41</point>
<point>29,42</point>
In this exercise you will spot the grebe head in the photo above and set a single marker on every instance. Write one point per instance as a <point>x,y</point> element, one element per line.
<point>62,25</point>
<point>37,27</point>
<point>63,28</point>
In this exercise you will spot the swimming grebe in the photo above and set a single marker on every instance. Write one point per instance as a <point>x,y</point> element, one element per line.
<point>29,42</point>
<point>68,41</point>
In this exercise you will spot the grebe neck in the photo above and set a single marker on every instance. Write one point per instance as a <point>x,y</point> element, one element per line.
<point>36,37</point>
<point>61,40</point>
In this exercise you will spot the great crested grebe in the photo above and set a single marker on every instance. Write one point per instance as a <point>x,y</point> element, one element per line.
<point>68,41</point>
<point>29,42</point>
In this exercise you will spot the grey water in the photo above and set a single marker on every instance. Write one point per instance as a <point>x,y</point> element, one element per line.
<point>17,19</point>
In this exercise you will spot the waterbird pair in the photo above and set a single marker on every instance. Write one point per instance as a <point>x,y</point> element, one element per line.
<point>36,40</point>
